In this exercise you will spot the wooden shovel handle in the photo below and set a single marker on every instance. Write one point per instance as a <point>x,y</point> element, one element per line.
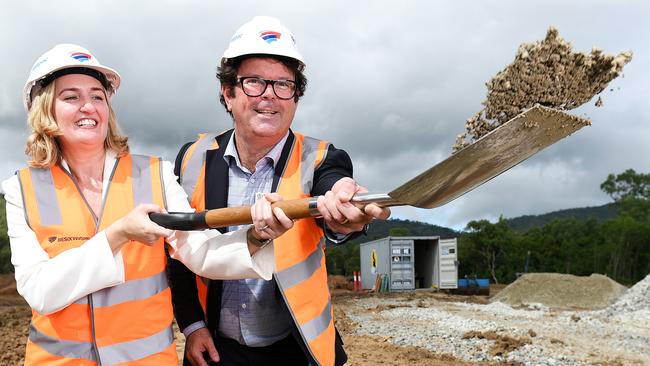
<point>231,216</point>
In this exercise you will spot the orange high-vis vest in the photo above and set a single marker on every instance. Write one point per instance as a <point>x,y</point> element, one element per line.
<point>300,270</point>
<point>127,324</point>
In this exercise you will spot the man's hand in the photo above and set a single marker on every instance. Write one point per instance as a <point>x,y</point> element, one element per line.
<point>341,215</point>
<point>198,342</point>
<point>268,222</point>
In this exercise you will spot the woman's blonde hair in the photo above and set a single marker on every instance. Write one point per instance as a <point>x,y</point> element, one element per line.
<point>42,145</point>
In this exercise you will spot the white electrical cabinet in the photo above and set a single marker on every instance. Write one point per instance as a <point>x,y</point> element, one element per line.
<point>410,262</point>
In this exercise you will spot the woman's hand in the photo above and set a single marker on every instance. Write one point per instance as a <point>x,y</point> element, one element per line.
<point>268,223</point>
<point>137,226</point>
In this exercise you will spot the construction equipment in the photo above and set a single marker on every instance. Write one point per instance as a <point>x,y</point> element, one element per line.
<point>491,155</point>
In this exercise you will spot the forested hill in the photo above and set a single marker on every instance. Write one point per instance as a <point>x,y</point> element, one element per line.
<point>397,227</point>
<point>600,213</point>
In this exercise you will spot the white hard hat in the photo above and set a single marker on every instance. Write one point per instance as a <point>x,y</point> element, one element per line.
<point>65,56</point>
<point>263,35</point>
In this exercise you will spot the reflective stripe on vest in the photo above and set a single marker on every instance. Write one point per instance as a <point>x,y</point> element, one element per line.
<point>110,355</point>
<point>299,253</point>
<point>129,323</point>
<point>133,290</point>
<point>193,168</point>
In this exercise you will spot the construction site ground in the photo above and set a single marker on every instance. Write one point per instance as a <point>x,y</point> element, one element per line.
<point>436,328</point>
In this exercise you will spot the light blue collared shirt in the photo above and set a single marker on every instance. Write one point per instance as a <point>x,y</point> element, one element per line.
<point>252,312</point>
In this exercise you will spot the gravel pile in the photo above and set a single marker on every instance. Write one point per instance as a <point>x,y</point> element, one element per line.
<point>546,72</point>
<point>497,333</point>
<point>636,299</point>
<point>562,291</point>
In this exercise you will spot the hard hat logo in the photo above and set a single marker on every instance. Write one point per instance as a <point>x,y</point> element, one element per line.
<point>81,57</point>
<point>277,40</point>
<point>270,36</point>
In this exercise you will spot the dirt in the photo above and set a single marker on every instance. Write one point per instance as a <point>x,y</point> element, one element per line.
<point>368,350</point>
<point>14,321</point>
<point>562,291</point>
<point>371,350</point>
<point>503,344</point>
<point>362,350</point>
<point>507,336</point>
<point>546,72</point>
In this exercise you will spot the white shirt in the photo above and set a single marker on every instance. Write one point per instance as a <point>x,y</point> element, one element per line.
<point>50,284</point>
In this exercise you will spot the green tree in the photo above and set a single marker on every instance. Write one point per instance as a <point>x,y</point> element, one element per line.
<point>334,260</point>
<point>627,242</point>
<point>489,249</point>
<point>5,251</point>
<point>398,231</point>
<point>627,238</point>
<point>343,259</point>
<point>631,191</point>
<point>351,253</point>
<point>628,184</point>
<point>564,246</point>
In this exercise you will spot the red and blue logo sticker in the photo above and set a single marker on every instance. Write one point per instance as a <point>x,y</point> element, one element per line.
<point>270,36</point>
<point>81,57</point>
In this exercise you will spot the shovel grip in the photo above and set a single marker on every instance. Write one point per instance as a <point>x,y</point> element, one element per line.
<point>180,220</point>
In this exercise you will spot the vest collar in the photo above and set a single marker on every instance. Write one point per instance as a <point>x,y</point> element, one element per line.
<point>110,159</point>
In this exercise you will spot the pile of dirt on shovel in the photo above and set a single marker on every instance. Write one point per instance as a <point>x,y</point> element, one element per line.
<point>562,291</point>
<point>546,72</point>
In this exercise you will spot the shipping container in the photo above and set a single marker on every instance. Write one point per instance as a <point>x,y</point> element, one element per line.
<point>410,262</point>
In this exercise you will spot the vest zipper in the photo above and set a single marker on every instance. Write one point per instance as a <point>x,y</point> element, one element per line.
<point>92,329</point>
<point>96,219</point>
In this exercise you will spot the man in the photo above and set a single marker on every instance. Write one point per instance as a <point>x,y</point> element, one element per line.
<point>288,320</point>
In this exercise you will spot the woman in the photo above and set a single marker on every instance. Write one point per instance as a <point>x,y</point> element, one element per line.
<point>87,258</point>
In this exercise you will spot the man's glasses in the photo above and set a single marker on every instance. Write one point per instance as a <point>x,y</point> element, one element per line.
<point>254,87</point>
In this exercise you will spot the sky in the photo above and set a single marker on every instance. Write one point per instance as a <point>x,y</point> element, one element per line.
<point>392,83</point>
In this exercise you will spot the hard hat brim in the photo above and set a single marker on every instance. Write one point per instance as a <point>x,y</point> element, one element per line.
<point>112,76</point>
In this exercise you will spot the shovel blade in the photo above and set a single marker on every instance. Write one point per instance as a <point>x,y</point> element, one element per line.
<point>491,155</point>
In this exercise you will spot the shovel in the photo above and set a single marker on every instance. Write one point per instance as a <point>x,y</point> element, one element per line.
<point>489,156</point>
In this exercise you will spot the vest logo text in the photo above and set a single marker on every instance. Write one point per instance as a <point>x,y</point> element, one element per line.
<point>61,239</point>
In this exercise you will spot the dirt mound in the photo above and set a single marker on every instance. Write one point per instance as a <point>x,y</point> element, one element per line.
<point>562,291</point>
<point>546,72</point>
